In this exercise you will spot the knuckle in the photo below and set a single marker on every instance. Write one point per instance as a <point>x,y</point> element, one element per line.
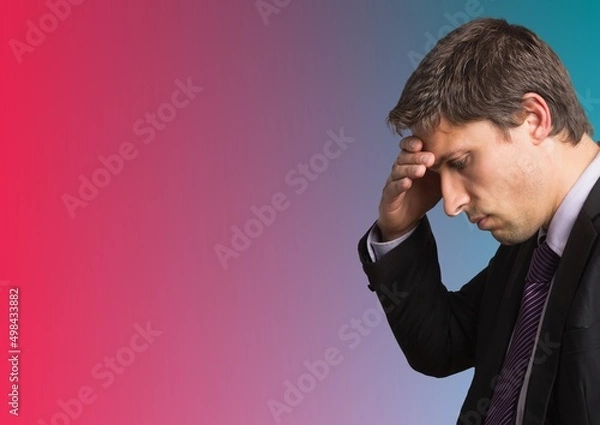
<point>410,142</point>
<point>404,157</point>
<point>406,142</point>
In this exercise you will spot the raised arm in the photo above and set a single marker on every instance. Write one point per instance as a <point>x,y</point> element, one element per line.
<point>435,328</point>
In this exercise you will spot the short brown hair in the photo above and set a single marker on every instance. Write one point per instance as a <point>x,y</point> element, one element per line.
<point>481,70</point>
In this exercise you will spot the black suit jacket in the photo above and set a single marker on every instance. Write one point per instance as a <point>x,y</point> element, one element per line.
<point>443,332</point>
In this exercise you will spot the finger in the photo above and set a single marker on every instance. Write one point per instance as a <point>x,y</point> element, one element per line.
<point>412,171</point>
<point>411,144</point>
<point>406,157</point>
<point>395,188</point>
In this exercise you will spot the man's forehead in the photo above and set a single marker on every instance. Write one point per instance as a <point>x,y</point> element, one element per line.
<point>446,127</point>
<point>446,136</point>
<point>442,138</point>
<point>443,130</point>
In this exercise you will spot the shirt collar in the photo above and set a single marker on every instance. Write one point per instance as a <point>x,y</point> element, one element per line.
<point>563,220</point>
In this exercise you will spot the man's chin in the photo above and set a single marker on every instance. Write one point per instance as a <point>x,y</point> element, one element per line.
<point>510,238</point>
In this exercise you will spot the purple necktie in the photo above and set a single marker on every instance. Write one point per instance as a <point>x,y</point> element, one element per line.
<point>503,406</point>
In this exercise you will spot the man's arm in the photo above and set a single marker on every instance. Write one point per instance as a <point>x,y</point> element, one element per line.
<point>435,328</point>
<point>377,248</point>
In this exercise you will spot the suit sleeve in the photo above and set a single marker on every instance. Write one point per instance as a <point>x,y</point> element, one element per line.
<point>435,328</point>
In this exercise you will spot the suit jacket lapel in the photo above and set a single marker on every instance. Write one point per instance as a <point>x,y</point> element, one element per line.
<point>567,279</point>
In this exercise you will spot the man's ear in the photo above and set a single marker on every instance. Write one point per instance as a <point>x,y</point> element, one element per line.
<point>536,116</point>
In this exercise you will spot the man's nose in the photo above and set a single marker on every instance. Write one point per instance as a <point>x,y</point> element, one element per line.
<point>454,194</point>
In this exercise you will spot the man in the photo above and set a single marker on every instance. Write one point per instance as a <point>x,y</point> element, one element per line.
<point>498,133</point>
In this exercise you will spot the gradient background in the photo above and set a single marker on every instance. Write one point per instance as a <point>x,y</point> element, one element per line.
<point>144,249</point>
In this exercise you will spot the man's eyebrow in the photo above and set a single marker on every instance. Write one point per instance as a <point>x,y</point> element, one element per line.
<point>444,158</point>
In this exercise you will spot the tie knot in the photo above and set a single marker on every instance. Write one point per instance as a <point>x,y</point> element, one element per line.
<point>543,264</point>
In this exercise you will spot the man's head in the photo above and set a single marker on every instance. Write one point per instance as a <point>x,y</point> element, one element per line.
<point>496,102</point>
<point>480,71</point>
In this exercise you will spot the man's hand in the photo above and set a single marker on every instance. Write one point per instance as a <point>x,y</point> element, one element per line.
<point>410,191</point>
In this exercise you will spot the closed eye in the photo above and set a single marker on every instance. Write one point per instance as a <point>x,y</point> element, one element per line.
<point>458,164</point>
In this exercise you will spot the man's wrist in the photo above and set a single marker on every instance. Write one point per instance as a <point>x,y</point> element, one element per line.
<point>387,236</point>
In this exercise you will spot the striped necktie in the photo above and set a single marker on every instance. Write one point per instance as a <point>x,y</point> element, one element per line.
<point>503,406</point>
